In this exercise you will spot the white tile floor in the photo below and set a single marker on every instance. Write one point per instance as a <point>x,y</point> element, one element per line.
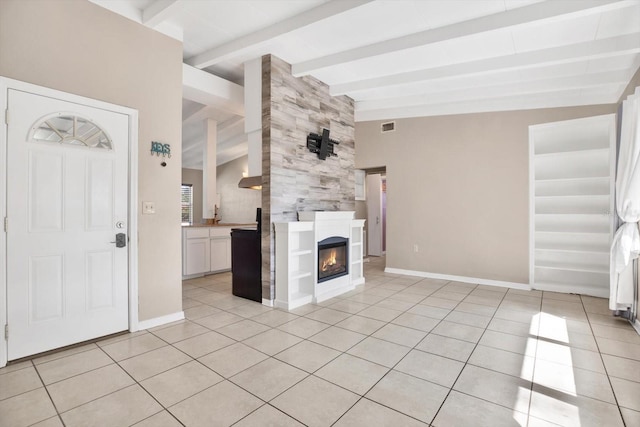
<point>398,351</point>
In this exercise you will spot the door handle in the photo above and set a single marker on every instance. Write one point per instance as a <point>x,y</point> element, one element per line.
<point>121,240</point>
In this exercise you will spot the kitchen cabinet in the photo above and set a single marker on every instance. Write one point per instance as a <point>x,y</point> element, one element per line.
<point>195,251</point>
<point>220,248</point>
<point>205,250</point>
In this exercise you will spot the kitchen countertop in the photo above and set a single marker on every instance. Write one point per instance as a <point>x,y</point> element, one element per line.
<point>224,224</point>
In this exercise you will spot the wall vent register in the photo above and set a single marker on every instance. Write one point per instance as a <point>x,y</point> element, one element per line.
<point>388,127</point>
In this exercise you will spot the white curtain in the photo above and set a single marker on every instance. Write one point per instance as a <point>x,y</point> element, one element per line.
<point>626,242</point>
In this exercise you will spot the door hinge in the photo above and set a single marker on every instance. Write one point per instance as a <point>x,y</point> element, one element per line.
<point>6,116</point>
<point>6,224</point>
<point>6,332</point>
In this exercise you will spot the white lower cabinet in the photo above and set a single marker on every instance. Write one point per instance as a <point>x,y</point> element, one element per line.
<point>220,248</point>
<point>198,259</point>
<point>205,250</point>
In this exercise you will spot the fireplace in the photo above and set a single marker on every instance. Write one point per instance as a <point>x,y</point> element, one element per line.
<point>318,239</point>
<point>333,258</point>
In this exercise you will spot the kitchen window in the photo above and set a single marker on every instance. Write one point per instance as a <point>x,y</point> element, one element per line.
<point>186,199</point>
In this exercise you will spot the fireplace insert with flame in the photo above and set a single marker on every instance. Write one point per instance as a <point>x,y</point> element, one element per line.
<point>333,258</point>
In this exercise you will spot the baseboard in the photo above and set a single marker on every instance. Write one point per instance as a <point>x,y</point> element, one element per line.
<point>636,326</point>
<point>267,302</point>
<point>358,282</point>
<point>162,320</point>
<point>581,290</point>
<point>463,279</point>
<point>333,293</point>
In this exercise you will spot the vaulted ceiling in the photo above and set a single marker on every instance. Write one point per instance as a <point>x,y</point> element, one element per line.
<point>407,58</point>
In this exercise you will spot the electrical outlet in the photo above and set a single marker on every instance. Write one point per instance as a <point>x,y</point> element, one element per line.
<point>415,248</point>
<point>148,208</point>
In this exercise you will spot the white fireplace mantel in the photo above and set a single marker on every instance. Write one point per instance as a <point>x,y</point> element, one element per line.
<point>297,257</point>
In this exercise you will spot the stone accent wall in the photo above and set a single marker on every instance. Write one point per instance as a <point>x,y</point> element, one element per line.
<point>294,179</point>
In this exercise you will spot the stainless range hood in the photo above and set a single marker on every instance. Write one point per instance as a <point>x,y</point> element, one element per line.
<point>252,182</point>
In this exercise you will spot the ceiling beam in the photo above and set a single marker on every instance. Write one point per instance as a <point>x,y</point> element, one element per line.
<point>188,113</point>
<point>234,140</point>
<point>213,91</point>
<point>510,18</point>
<point>225,141</point>
<point>194,144</point>
<point>237,129</point>
<point>194,160</point>
<point>506,89</point>
<point>229,123</point>
<point>565,98</point>
<point>231,155</point>
<point>263,36</point>
<point>613,46</point>
<point>208,112</point>
<point>159,11</point>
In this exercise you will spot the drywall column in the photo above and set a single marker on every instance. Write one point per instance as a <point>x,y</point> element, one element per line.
<point>209,187</point>
<point>253,114</point>
<point>253,99</point>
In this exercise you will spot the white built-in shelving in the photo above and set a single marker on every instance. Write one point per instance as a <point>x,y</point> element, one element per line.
<point>295,261</point>
<point>357,272</point>
<point>572,172</point>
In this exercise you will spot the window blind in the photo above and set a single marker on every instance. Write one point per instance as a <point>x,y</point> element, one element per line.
<point>186,198</point>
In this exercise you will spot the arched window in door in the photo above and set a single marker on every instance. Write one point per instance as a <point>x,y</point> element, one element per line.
<point>71,129</point>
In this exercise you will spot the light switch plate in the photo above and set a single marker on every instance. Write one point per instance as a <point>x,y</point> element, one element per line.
<point>148,208</point>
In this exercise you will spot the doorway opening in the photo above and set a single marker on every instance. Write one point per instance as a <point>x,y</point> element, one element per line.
<point>376,211</point>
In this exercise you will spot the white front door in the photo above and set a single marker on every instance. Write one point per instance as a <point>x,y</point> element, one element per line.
<point>374,214</point>
<point>67,191</point>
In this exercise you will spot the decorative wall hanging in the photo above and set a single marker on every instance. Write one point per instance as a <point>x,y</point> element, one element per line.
<point>159,148</point>
<point>321,144</point>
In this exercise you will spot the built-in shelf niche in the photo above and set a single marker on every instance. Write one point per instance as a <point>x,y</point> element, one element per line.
<point>295,272</point>
<point>572,173</point>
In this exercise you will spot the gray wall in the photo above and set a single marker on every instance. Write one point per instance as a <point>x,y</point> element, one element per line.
<point>458,187</point>
<point>294,179</point>
<point>84,49</point>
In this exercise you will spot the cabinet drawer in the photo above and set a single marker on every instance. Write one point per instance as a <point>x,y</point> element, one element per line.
<point>194,233</point>
<point>220,232</point>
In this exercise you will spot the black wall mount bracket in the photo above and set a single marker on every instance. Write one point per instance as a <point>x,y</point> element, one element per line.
<point>322,144</point>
